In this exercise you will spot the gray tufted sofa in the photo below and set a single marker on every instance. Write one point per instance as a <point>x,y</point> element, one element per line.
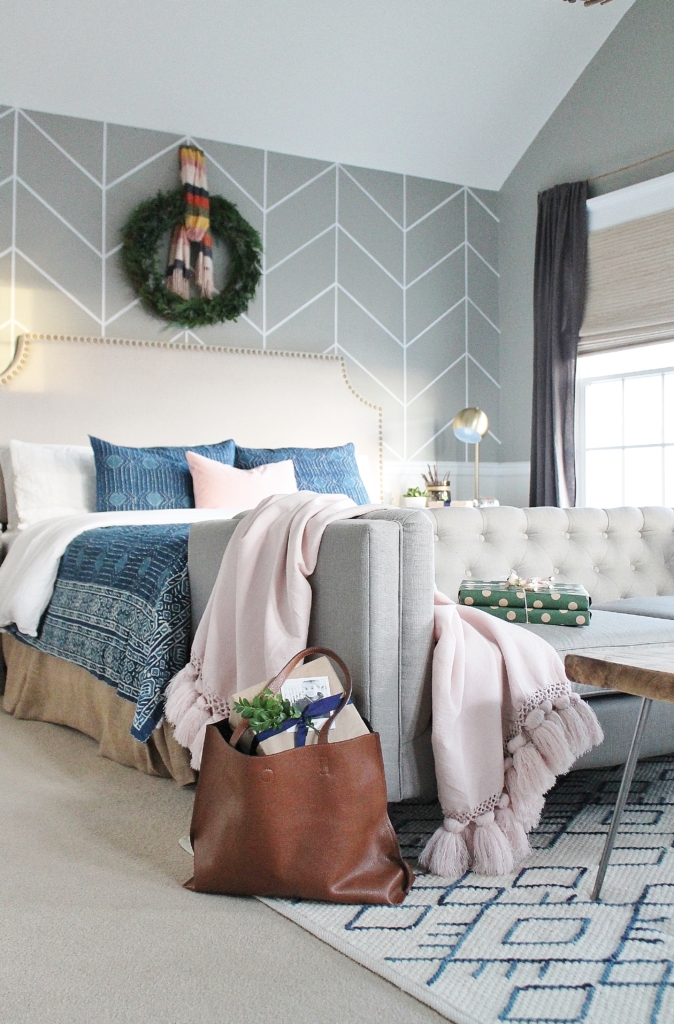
<point>373,603</point>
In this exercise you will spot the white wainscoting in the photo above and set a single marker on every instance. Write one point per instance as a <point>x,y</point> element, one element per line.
<point>507,481</point>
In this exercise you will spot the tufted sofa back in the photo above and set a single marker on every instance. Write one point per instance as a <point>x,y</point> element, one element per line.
<point>616,552</point>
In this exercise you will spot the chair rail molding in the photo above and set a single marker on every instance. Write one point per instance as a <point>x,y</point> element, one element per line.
<point>506,481</point>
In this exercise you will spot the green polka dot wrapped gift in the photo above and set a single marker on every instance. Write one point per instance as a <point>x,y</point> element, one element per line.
<point>537,600</point>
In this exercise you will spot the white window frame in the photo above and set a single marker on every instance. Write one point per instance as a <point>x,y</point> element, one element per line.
<point>581,447</point>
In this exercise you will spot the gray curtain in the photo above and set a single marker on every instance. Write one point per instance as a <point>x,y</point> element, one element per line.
<point>559,301</point>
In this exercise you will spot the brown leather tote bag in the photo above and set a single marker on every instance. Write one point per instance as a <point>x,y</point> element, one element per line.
<point>307,823</point>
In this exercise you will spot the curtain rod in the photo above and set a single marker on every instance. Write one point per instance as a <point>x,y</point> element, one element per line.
<point>628,167</point>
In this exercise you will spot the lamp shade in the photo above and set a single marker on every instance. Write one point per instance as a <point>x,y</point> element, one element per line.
<point>470,425</point>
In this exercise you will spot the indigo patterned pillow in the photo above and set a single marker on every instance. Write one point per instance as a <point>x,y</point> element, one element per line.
<point>137,479</point>
<point>324,470</point>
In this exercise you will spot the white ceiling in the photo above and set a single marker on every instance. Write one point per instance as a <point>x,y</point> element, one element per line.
<point>447,89</point>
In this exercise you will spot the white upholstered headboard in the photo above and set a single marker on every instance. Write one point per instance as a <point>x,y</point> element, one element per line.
<point>60,388</point>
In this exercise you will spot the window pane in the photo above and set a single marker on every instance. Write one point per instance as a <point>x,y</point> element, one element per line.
<point>603,414</point>
<point>604,479</point>
<point>627,360</point>
<point>643,476</point>
<point>669,407</point>
<point>669,477</point>
<point>643,410</point>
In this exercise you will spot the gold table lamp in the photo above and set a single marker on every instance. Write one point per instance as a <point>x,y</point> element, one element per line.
<point>470,426</point>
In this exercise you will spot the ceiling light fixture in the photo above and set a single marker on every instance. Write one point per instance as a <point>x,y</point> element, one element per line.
<point>590,3</point>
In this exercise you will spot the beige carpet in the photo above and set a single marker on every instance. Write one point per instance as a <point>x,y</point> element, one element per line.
<point>95,927</point>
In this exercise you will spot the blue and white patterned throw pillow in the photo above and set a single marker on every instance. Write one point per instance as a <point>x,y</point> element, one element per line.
<point>137,479</point>
<point>324,470</point>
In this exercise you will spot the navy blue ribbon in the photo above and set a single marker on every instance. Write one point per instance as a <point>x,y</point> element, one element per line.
<point>319,709</point>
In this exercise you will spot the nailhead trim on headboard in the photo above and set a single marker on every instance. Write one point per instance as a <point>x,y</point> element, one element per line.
<point>23,349</point>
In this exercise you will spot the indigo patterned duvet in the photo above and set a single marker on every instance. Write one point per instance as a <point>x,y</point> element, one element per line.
<point>121,610</point>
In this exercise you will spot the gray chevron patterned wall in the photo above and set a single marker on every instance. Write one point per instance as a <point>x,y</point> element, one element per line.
<point>398,274</point>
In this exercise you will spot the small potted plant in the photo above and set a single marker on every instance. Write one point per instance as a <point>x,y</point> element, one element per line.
<point>414,497</point>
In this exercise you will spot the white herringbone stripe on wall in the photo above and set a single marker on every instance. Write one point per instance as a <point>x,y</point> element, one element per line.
<point>395,273</point>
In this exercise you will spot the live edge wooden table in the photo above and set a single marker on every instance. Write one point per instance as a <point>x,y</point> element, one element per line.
<point>643,674</point>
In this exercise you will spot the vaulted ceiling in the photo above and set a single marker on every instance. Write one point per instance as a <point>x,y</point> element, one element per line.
<point>449,89</point>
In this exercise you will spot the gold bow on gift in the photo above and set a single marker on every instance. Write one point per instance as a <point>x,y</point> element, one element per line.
<point>530,583</point>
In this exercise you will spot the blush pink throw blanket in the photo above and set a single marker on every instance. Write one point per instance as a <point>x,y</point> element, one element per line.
<point>257,617</point>
<point>505,722</point>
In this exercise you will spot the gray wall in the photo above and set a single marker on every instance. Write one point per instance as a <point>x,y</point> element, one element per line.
<point>397,273</point>
<point>621,110</point>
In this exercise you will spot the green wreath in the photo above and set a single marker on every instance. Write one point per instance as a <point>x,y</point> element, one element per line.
<point>143,232</point>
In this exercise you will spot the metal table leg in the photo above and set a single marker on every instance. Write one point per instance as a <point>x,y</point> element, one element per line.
<point>623,793</point>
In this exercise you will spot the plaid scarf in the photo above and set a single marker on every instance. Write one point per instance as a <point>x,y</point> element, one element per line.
<point>195,228</point>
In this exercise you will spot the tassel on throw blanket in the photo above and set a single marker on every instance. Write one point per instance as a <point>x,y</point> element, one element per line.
<point>505,724</point>
<point>505,721</point>
<point>195,228</point>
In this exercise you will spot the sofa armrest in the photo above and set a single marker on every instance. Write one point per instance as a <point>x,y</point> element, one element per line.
<point>205,548</point>
<point>373,604</point>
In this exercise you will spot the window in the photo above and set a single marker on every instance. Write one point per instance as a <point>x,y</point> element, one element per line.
<point>625,430</point>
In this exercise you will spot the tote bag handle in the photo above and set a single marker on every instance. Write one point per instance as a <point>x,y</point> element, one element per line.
<point>278,681</point>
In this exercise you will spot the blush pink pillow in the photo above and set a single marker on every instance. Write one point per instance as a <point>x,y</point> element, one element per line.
<point>220,486</point>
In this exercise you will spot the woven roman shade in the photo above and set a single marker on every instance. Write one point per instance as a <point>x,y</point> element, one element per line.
<point>630,295</point>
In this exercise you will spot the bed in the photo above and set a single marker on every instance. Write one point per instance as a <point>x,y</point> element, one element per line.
<point>115,626</point>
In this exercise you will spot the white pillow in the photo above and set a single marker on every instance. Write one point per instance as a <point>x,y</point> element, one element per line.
<point>48,480</point>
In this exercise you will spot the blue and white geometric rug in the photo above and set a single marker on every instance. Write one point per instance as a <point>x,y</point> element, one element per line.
<point>531,948</point>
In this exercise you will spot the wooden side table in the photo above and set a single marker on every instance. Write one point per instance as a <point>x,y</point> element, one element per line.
<point>644,674</point>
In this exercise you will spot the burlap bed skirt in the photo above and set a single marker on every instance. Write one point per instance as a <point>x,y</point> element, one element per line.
<point>43,688</point>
